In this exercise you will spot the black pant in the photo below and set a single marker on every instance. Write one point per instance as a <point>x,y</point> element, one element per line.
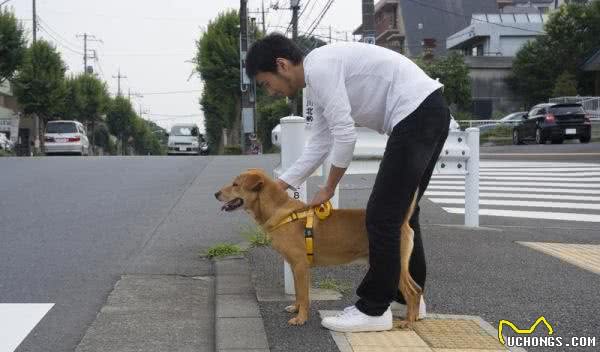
<point>408,162</point>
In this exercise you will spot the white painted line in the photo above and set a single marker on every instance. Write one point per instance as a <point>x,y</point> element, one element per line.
<point>521,203</point>
<point>530,214</point>
<point>515,195</point>
<point>539,154</point>
<point>508,164</point>
<point>549,184</point>
<point>17,320</point>
<point>520,189</point>
<point>525,164</point>
<point>540,172</point>
<point>523,178</point>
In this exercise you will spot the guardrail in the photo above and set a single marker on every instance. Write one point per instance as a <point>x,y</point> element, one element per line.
<point>460,156</point>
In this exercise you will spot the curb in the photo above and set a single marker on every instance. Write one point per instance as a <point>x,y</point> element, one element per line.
<point>238,322</point>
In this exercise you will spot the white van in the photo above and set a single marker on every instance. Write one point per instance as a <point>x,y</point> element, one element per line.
<point>186,139</point>
<point>66,137</point>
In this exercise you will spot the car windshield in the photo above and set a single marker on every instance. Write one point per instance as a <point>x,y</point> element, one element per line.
<point>513,116</point>
<point>569,109</point>
<point>61,127</point>
<point>184,131</point>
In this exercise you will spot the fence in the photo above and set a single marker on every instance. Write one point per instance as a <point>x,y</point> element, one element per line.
<point>460,156</point>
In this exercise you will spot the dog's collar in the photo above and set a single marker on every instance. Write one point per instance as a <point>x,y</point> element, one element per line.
<point>323,212</point>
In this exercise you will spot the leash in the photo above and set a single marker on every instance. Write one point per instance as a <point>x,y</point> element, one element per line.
<point>323,211</point>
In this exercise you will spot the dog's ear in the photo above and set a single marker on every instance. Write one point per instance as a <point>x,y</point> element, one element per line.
<point>253,182</point>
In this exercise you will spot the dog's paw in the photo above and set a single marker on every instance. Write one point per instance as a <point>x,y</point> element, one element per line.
<point>404,324</point>
<point>292,308</point>
<point>296,321</point>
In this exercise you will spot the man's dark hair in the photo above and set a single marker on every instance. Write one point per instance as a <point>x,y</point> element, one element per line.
<point>262,55</point>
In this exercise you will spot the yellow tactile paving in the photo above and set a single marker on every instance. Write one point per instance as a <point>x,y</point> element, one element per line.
<point>456,334</point>
<point>429,335</point>
<point>586,256</point>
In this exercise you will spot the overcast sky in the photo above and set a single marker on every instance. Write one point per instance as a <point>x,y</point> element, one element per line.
<point>152,42</point>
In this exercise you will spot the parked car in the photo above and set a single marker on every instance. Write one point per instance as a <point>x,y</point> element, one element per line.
<point>66,137</point>
<point>186,139</point>
<point>5,143</point>
<point>554,122</point>
<point>508,120</point>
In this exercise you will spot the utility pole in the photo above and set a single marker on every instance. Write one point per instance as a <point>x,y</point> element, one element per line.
<point>36,119</point>
<point>246,85</point>
<point>118,77</point>
<point>87,37</point>
<point>263,17</point>
<point>329,34</point>
<point>368,11</point>
<point>295,7</point>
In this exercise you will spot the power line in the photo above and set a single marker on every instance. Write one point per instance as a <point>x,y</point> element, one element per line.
<point>48,27</point>
<point>325,9</point>
<point>173,92</point>
<point>58,41</point>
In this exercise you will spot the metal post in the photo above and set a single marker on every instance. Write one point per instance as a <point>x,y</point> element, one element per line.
<point>293,137</point>
<point>472,179</point>
<point>295,7</point>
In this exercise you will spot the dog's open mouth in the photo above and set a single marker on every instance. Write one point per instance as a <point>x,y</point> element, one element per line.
<point>233,204</point>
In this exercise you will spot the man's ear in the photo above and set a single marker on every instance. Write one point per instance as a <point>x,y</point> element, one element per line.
<point>253,182</point>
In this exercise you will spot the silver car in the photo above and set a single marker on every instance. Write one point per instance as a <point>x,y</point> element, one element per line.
<point>66,137</point>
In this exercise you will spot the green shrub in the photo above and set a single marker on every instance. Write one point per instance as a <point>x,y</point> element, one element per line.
<point>223,250</point>
<point>256,236</point>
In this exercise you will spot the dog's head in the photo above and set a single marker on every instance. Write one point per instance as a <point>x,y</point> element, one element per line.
<point>243,191</point>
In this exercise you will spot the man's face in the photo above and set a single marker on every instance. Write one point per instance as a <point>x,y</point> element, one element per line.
<point>281,83</point>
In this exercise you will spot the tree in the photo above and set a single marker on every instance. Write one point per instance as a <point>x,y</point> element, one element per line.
<point>566,85</point>
<point>120,120</point>
<point>12,44</point>
<point>454,74</point>
<point>144,141</point>
<point>217,62</point>
<point>92,100</point>
<point>270,113</point>
<point>39,85</point>
<point>572,33</point>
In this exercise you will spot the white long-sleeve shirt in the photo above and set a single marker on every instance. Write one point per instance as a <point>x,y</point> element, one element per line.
<point>355,83</point>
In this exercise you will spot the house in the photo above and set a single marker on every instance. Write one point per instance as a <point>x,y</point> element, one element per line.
<point>9,117</point>
<point>489,44</point>
<point>411,27</point>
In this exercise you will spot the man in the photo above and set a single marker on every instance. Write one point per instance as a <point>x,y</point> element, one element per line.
<point>356,83</point>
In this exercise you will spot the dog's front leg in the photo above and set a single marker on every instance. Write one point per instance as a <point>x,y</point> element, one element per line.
<point>301,284</point>
<point>409,288</point>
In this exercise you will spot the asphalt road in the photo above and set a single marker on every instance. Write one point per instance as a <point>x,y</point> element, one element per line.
<point>71,226</point>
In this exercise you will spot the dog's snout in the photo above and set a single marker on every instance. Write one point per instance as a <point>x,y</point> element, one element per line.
<point>217,194</point>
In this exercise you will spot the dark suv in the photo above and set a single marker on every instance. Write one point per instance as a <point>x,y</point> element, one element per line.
<point>554,122</point>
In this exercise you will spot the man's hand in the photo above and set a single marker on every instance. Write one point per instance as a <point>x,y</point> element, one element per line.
<point>324,194</point>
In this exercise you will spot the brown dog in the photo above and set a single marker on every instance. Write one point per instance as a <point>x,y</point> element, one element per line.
<point>339,239</point>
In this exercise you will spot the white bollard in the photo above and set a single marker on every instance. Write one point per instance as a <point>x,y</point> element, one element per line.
<point>293,132</point>
<point>472,179</point>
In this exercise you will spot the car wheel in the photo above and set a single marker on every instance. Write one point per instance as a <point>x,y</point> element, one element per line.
<point>585,138</point>
<point>539,139</point>
<point>516,138</point>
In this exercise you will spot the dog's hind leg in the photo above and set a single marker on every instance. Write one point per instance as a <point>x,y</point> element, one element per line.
<point>409,288</point>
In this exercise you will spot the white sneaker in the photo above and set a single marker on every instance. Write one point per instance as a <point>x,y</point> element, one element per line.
<point>399,309</point>
<point>353,320</point>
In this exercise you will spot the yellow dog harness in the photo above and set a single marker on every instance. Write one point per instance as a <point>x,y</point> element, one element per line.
<point>322,211</point>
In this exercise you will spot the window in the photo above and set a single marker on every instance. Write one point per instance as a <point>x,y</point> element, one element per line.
<point>61,127</point>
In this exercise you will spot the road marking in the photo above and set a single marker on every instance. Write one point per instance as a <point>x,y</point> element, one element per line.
<point>530,214</point>
<point>515,195</point>
<point>538,154</point>
<point>532,165</point>
<point>521,178</point>
<point>586,256</point>
<point>520,203</point>
<point>17,320</point>
<point>492,183</point>
<point>541,172</point>
<point>520,189</point>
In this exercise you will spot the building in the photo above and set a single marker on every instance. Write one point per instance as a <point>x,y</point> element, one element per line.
<point>592,65</point>
<point>489,44</point>
<point>9,117</point>
<point>410,27</point>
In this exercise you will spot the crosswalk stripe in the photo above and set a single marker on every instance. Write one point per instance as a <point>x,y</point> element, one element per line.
<point>515,195</point>
<point>494,183</point>
<point>523,178</point>
<point>518,189</point>
<point>521,203</point>
<point>532,165</point>
<point>17,320</point>
<point>541,169</point>
<point>543,172</point>
<point>530,214</point>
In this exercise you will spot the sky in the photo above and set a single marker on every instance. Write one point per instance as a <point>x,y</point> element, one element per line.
<point>152,42</point>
